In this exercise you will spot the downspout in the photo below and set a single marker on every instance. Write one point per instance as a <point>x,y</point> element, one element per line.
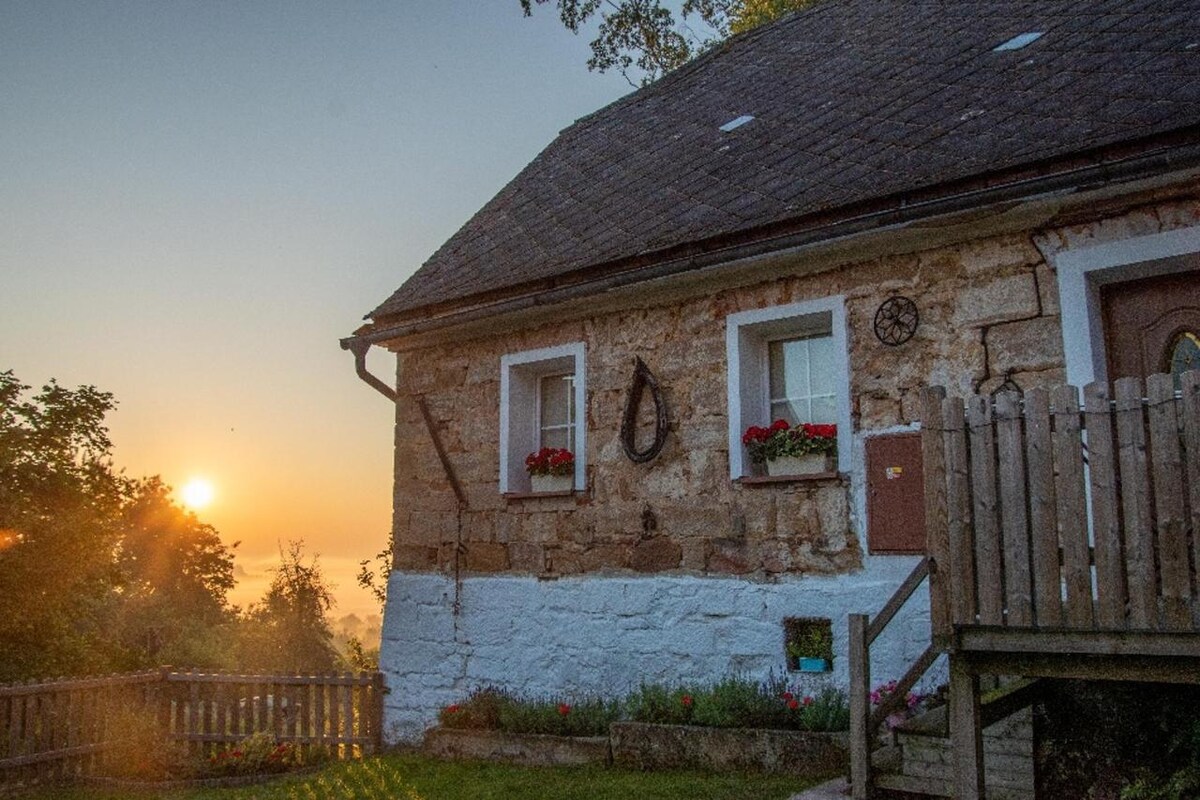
<point>359,347</point>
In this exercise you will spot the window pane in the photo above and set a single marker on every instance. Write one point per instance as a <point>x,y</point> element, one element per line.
<point>557,438</point>
<point>789,368</point>
<point>824,410</point>
<point>792,411</point>
<point>821,362</point>
<point>557,402</point>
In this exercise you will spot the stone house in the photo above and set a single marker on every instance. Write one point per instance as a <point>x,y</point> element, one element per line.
<point>1022,175</point>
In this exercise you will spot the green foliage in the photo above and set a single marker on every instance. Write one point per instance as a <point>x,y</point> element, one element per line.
<point>142,753</point>
<point>644,35</point>
<point>741,703</point>
<point>98,572</point>
<point>289,628</point>
<point>730,703</point>
<point>260,754</point>
<point>495,709</point>
<point>1183,783</point>
<point>814,641</point>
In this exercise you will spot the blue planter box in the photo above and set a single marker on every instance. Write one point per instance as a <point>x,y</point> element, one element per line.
<point>813,665</point>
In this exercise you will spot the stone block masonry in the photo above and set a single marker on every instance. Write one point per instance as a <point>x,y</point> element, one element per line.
<point>604,635</point>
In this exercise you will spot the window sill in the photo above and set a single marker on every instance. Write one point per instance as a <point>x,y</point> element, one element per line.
<point>758,480</point>
<point>510,496</point>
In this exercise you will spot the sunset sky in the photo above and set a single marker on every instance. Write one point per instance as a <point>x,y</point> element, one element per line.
<point>198,199</point>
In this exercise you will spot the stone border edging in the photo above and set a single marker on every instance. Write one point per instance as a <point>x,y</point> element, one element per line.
<point>649,746</point>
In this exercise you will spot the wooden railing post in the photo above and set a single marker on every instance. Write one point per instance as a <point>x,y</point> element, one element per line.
<point>860,708</point>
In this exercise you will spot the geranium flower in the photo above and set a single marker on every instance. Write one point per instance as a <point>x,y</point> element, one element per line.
<point>686,700</point>
<point>564,709</point>
<point>452,709</point>
<point>787,696</point>
<point>793,704</point>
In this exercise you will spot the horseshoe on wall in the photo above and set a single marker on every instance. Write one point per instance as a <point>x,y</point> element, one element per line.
<point>642,377</point>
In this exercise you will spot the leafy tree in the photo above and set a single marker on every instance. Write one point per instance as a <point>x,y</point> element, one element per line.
<point>288,630</point>
<point>98,572</point>
<point>645,35</point>
<point>60,512</point>
<point>176,574</point>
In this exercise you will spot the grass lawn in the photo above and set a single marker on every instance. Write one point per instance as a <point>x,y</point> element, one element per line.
<point>414,777</point>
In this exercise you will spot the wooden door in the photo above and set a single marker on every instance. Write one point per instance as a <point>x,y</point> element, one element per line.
<point>1152,325</point>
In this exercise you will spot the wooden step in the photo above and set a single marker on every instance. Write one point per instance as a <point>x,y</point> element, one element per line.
<point>920,761</point>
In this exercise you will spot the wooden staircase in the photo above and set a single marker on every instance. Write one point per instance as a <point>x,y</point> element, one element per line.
<point>919,760</point>
<point>1061,541</point>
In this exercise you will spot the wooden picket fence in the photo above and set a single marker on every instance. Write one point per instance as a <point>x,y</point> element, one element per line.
<point>1057,515</point>
<point>65,729</point>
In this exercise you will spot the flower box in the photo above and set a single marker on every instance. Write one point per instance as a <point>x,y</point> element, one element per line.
<point>812,664</point>
<point>551,483</point>
<point>808,464</point>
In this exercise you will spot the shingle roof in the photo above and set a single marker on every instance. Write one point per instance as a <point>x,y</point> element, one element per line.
<point>852,100</point>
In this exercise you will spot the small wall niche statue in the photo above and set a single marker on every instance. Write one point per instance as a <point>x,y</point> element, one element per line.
<point>643,378</point>
<point>896,321</point>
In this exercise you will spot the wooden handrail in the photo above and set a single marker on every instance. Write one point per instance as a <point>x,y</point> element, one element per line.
<point>898,599</point>
<point>863,722</point>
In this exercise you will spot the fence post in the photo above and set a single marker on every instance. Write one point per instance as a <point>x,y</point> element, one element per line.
<point>377,710</point>
<point>937,532</point>
<point>860,708</point>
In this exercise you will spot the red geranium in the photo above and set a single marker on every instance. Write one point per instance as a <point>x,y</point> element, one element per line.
<point>781,439</point>
<point>550,461</point>
<point>793,705</point>
<point>564,709</point>
<point>686,700</point>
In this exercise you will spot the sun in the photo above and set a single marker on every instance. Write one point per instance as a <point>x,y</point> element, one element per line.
<point>197,493</point>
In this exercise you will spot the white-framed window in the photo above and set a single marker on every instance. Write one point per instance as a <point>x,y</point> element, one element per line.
<point>542,396</point>
<point>787,362</point>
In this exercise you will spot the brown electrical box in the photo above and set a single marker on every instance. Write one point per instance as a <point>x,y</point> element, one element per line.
<point>895,494</point>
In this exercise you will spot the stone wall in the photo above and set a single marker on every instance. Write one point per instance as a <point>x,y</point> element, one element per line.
<point>597,635</point>
<point>988,312</point>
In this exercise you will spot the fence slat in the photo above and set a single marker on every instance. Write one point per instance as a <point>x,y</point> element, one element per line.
<point>1135,505</point>
<point>1167,468</point>
<point>1018,584</point>
<point>958,503</point>
<point>348,714</point>
<point>1072,507</point>
<point>1111,589</point>
<point>1189,411</point>
<point>1043,525</point>
<point>937,534</point>
<point>985,508</point>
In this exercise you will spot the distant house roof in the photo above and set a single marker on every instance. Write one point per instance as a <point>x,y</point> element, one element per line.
<point>840,104</point>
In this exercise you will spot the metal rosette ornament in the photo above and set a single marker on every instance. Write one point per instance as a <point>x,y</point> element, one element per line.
<point>896,321</point>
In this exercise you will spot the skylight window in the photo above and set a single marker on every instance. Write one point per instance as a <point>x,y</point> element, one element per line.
<point>1017,42</point>
<point>736,123</point>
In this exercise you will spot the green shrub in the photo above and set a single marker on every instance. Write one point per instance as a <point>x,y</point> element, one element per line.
<point>740,703</point>
<point>495,709</point>
<point>731,703</point>
<point>259,753</point>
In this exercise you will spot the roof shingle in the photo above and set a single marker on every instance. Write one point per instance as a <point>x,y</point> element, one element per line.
<point>852,100</point>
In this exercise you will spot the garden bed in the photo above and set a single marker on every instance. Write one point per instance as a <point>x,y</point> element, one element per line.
<point>528,749</point>
<point>644,745</point>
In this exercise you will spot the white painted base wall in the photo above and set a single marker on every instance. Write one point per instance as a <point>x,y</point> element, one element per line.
<point>606,634</point>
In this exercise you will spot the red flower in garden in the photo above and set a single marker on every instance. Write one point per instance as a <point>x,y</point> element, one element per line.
<point>686,700</point>
<point>808,701</point>
<point>564,709</point>
<point>453,709</point>
<point>793,705</point>
<point>787,695</point>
